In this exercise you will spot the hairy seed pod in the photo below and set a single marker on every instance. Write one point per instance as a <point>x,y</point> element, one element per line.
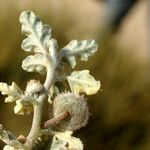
<point>76,105</point>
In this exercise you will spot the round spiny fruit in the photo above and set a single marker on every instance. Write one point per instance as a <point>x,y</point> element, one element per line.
<point>76,105</point>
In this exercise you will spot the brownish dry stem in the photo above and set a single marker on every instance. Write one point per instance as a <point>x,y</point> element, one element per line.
<point>56,119</point>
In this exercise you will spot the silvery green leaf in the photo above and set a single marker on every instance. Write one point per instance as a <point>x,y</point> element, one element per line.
<point>83,82</point>
<point>13,91</point>
<point>17,146</point>
<point>35,63</point>
<point>38,35</point>
<point>82,49</point>
<point>8,138</point>
<point>8,147</point>
<point>65,141</point>
<point>6,135</point>
<point>23,107</point>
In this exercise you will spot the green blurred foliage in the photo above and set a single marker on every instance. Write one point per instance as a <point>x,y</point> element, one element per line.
<point>120,111</point>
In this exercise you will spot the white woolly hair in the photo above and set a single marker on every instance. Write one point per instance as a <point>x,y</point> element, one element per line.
<point>76,105</point>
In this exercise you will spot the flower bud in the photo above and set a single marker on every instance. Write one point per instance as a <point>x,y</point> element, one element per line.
<point>33,86</point>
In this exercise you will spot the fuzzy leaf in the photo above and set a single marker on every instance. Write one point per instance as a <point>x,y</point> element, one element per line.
<point>82,49</point>
<point>65,141</point>
<point>17,146</point>
<point>35,63</point>
<point>8,147</point>
<point>38,35</point>
<point>23,107</point>
<point>83,82</point>
<point>13,91</point>
<point>6,135</point>
<point>8,138</point>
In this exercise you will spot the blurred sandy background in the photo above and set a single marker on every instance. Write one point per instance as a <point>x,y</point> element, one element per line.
<point>120,117</point>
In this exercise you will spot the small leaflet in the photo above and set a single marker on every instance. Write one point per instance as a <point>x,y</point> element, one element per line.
<point>83,82</point>
<point>82,49</point>
<point>35,63</point>
<point>65,141</point>
<point>38,35</point>
<point>13,91</point>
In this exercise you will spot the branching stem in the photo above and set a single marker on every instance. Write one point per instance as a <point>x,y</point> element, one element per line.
<point>38,109</point>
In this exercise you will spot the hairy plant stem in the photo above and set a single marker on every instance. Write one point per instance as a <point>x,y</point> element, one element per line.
<point>34,132</point>
<point>38,109</point>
